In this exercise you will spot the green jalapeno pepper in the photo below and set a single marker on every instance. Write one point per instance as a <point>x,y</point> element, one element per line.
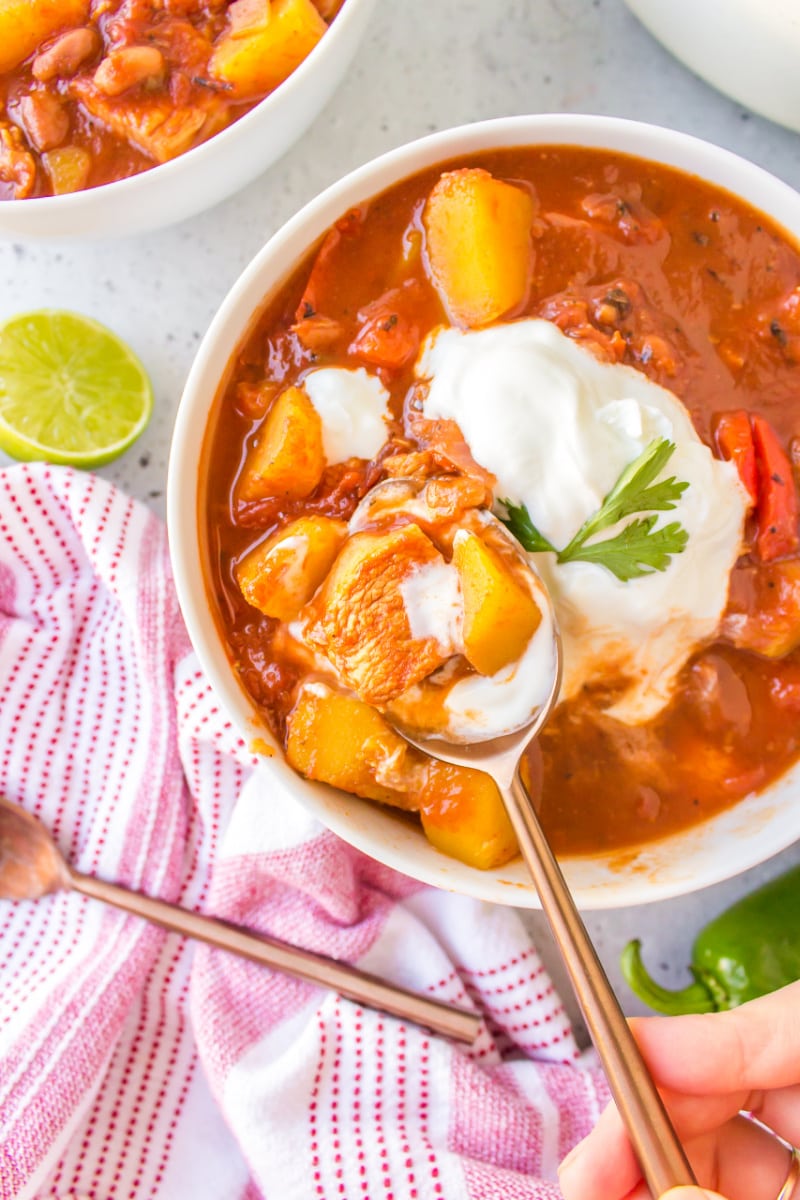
<point>750,949</point>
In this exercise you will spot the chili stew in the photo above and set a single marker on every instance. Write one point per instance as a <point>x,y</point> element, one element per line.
<point>641,266</point>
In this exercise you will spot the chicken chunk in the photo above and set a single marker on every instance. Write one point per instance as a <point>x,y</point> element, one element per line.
<point>150,122</point>
<point>363,626</point>
<point>17,167</point>
<point>449,497</point>
<point>763,614</point>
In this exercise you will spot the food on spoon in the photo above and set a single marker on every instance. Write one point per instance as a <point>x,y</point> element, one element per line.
<point>577,443</point>
<point>635,441</point>
<point>478,232</point>
<point>363,625</point>
<point>500,614</point>
<point>342,741</point>
<point>94,93</point>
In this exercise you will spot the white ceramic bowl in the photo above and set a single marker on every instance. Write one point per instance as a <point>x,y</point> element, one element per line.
<point>754,830</point>
<point>748,49</point>
<point>204,176</point>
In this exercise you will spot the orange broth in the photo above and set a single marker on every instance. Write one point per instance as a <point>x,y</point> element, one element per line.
<point>677,279</point>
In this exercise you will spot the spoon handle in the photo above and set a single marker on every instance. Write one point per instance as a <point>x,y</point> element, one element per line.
<point>660,1154</point>
<point>348,981</point>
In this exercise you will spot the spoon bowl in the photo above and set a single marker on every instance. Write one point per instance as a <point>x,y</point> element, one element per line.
<point>30,864</point>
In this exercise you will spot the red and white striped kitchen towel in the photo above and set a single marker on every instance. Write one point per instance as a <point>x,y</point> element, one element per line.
<point>133,1064</point>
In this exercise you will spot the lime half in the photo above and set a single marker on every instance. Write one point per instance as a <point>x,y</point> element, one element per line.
<point>70,390</point>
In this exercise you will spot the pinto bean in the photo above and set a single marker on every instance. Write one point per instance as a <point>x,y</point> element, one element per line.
<point>124,68</point>
<point>44,120</point>
<point>62,59</point>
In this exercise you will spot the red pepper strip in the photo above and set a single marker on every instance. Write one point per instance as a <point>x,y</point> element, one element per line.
<point>777,508</point>
<point>734,437</point>
<point>321,276</point>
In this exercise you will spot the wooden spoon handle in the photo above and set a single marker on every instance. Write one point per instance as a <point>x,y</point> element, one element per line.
<point>348,981</point>
<point>661,1156</point>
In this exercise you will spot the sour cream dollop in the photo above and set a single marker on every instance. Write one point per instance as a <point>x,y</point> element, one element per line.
<point>353,408</point>
<point>557,427</point>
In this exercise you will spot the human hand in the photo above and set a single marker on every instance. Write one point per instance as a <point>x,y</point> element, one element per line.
<point>710,1069</point>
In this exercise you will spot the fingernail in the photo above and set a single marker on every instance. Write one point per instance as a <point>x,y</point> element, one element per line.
<point>573,1156</point>
<point>690,1193</point>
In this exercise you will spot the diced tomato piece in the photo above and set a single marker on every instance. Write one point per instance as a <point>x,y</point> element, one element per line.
<point>389,340</point>
<point>321,276</point>
<point>446,443</point>
<point>389,336</point>
<point>733,435</point>
<point>763,613</point>
<point>777,507</point>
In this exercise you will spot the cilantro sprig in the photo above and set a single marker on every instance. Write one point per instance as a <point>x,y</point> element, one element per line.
<point>638,548</point>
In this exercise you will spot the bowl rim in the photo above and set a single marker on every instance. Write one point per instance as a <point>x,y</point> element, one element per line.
<point>239,131</point>
<point>643,882</point>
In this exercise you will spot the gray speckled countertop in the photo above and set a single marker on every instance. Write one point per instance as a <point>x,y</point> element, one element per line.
<point>424,65</point>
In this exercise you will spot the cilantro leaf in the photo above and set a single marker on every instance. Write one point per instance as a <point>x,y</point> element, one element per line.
<point>636,550</point>
<point>520,523</point>
<point>633,493</point>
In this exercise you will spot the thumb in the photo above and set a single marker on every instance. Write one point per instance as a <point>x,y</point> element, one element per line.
<point>691,1193</point>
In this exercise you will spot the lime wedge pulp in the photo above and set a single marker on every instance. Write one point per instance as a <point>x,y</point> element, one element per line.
<point>70,390</point>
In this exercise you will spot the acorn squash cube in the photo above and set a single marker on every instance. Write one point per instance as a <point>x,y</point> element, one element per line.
<point>478,240</point>
<point>500,614</point>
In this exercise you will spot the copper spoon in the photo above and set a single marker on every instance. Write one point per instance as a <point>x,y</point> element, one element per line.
<point>31,866</point>
<point>660,1154</point>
